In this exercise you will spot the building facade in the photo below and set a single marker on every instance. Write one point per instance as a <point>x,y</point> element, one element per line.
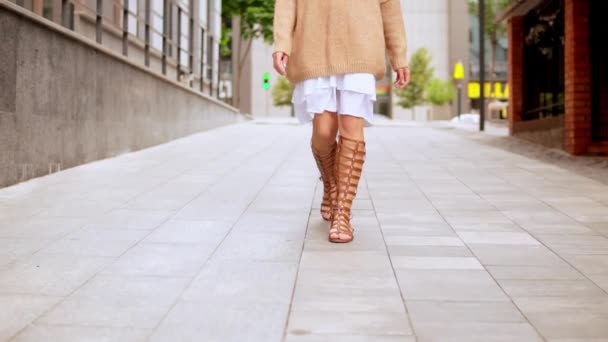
<point>67,98</point>
<point>176,38</point>
<point>558,73</point>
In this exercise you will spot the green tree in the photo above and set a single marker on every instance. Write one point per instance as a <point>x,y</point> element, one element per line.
<point>282,92</point>
<point>440,92</point>
<point>421,73</point>
<point>256,18</point>
<point>494,31</point>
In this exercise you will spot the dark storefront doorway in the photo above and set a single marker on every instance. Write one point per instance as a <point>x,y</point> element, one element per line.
<point>599,62</point>
<point>544,61</point>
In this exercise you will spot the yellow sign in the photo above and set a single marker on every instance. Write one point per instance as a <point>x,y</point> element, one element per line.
<point>474,90</point>
<point>487,90</point>
<point>497,90</point>
<point>459,71</point>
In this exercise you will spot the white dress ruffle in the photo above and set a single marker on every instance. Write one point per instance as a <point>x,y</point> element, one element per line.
<point>347,94</point>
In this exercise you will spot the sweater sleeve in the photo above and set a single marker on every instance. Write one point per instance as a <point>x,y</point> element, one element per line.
<point>394,33</point>
<point>284,24</point>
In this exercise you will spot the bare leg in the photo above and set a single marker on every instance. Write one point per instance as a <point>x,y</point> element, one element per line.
<point>324,131</point>
<point>351,127</point>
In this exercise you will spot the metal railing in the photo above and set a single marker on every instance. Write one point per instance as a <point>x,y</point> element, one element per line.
<point>169,31</point>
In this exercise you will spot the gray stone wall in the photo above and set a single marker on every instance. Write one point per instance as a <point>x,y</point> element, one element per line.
<point>65,101</point>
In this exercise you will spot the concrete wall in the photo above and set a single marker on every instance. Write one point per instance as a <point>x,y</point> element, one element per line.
<point>66,101</point>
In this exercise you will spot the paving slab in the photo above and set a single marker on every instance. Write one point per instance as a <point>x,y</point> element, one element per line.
<point>40,332</point>
<point>217,237</point>
<point>20,310</point>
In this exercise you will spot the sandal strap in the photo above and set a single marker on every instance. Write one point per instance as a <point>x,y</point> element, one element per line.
<point>325,163</point>
<point>348,167</point>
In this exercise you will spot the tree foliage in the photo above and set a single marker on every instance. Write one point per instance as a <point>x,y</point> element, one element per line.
<point>281,92</point>
<point>256,17</point>
<point>421,73</point>
<point>494,31</point>
<point>440,92</point>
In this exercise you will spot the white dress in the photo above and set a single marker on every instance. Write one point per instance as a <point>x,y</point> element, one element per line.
<point>346,94</point>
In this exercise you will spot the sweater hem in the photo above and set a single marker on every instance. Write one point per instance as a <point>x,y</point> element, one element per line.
<point>337,69</point>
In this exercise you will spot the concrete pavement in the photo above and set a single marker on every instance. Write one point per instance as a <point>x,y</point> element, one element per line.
<point>212,238</point>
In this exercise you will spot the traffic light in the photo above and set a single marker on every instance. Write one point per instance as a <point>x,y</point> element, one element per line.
<point>266,84</point>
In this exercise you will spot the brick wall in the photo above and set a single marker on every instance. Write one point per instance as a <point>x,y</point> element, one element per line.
<point>577,120</point>
<point>516,70</point>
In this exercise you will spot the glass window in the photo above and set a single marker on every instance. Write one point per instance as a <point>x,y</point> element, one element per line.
<point>216,20</point>
<point>47,9</point>
<point>203,53</point>
<point>157,23</point>
<point>185,40</point>
<point>132,22</point>
<point>203,11</point>
<point>209,48</point>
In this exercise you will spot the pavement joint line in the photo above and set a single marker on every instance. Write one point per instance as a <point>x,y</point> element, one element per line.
<point>94,275</point>
<point>150,188</point>
<point>84,283</point>
<point>516,223</point>
<point>84,224</point>
<point>556,253</point>
<point>117,257</point>
<point>210,257</point>
<point>464,243</point>
<point>217,155</point>
<point>390,260</point>
<point>511,300</point>
<point>546,156</point>
<point>36,250</point>
<point>295,283</point>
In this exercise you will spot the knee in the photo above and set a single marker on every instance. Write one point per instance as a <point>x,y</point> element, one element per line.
<point>351,126</point>
<point>325,133</point>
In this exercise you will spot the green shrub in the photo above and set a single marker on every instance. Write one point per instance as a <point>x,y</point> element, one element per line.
<point>281,92</point>
<point>440,92</point>
<point>420,74</point>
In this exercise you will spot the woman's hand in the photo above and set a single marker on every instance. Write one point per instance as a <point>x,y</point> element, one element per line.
<point>403,78</point>
<point>280,60</point>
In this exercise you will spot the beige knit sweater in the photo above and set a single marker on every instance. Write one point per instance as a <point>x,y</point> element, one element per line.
<point>326,37</point>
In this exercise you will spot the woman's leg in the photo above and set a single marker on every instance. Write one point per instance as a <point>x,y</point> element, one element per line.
<point>323,145</point>
<point>350,157</point>
<point>351,126</point>
<point>324,130</point>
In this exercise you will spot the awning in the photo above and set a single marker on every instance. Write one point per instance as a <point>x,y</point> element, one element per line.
<point>517,8</point>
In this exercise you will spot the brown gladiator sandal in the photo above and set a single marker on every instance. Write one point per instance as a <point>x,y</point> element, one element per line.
<point>325,163</point>
<point>350,157</point>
